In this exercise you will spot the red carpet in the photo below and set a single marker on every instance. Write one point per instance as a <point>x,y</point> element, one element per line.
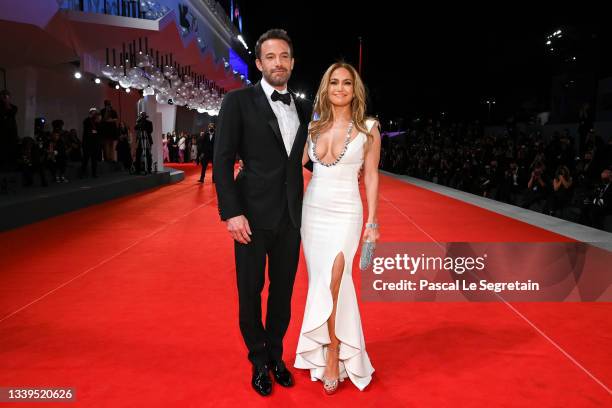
<point>133,303</point>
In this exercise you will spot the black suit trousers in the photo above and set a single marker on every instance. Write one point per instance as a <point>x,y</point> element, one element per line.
<point>205,159</point>
<point>281,246</point>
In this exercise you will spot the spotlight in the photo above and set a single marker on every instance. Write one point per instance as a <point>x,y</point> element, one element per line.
<point>244,44</point>
<point>97,80</point>
<point>77,75</point>
<point>127,90</point>
<point>117,87</point>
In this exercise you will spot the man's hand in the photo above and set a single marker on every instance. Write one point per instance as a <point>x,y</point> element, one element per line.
<point>239,229</point>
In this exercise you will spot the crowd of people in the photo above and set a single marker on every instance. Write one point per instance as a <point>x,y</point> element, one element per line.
<point>104,138</point>
<point>186,148</point>
<point>49,150</point>
<point>553,176</point>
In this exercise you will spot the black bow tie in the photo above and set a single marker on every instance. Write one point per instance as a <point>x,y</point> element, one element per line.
<point>284,98</point>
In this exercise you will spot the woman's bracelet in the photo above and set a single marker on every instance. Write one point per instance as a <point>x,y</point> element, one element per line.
<point>372,225</point>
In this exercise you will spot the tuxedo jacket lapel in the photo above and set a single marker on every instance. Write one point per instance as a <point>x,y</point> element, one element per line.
<point>303,122</point>
<point>268,114</point>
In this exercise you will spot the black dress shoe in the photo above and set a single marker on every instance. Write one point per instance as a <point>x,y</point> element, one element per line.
<point>281,374</point>
<point>261,382</point>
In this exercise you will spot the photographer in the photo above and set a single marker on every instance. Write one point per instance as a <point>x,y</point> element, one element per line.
<point>562,191</point>
<point>599,204</point>
<point>92,142</point>
<point>512,183</point>
<point>109,131</point>
<point>144,130</point>
<point>536,185</point>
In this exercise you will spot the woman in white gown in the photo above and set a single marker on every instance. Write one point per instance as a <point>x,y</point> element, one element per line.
<point>340,142</point>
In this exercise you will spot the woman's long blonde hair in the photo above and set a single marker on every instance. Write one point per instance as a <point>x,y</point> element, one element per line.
<point>322,106</point>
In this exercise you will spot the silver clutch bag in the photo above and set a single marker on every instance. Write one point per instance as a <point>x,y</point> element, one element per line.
<point>367,254</point>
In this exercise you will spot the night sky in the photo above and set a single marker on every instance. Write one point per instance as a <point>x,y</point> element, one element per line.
<point>426,62</point>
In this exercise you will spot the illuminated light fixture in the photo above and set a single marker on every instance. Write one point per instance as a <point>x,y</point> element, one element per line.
<point>77,75</point>
<point>243,42</point>
<point>148,91</point>
<point>97,81</point>
<point>117,87</point>
<point>128,90</point>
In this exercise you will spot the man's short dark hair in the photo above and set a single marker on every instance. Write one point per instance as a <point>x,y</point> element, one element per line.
<point>273,34</point>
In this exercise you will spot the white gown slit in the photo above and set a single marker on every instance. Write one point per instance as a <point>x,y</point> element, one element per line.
<point>332,218</point>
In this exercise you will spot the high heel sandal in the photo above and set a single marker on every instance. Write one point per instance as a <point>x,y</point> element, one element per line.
<point>330,386</point>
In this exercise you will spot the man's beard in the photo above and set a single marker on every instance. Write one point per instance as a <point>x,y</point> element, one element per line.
<point>277,80</point>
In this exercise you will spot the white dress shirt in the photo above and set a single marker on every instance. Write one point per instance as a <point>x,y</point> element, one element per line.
<point>288,119</point>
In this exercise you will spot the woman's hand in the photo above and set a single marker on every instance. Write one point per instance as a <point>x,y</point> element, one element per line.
<point>371,234</point>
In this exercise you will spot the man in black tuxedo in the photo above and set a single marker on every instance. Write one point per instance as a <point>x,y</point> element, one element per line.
<point>267,127</point>
<point>206,144</point>
<point>92,142</point>
<point>173,148</point>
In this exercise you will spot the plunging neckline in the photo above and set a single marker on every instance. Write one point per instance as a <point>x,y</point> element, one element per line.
<point>314,145</point>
